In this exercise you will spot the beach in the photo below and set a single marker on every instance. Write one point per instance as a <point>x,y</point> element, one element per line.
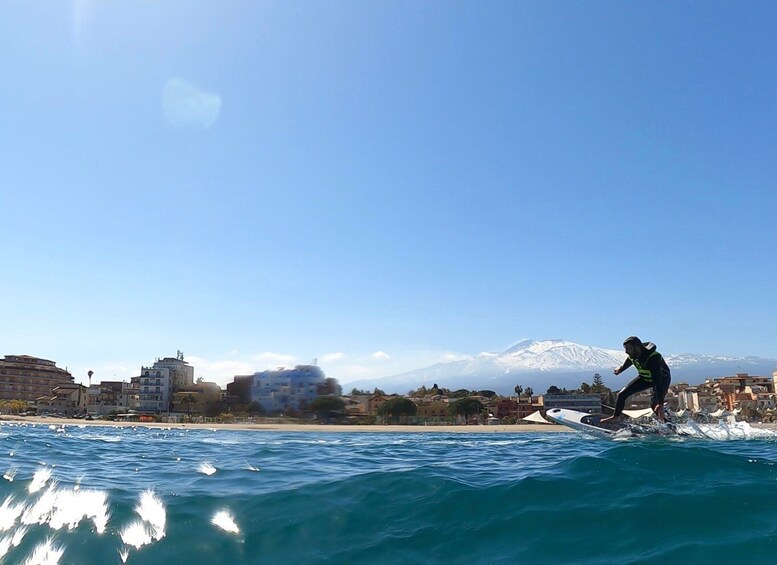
<point>313,428</point>
<point>278,427</point>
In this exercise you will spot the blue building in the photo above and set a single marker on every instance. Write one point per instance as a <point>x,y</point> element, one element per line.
<point>287,389</point>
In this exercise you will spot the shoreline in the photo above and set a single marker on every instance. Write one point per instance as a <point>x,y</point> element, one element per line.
<point>314,428</point>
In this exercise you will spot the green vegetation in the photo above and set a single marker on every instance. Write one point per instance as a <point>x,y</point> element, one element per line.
<point>466,407</point>
<point>398,409</point>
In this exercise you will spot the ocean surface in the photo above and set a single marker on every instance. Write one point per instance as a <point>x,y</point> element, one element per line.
<point>90,494</point>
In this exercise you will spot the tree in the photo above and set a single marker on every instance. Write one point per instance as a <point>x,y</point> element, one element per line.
<point>397,409</point>
<point>529,391</point>
<point>585,388</point>
<point>465,407</point>
<point>255,409</point>
<point>553,389</point>
<point>323,406</point>
<point>518,390</point>
<point>461,393</point>
<point>598,386</point>
<point>359,392</point>
<point>331,386</point>
<point>487,393</point>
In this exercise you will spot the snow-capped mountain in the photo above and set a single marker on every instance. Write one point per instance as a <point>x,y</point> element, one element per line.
<point>541,364</point>
<point>557,354</point>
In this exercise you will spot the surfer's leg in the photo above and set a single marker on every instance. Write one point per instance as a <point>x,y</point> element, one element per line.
<point>637,385</point>
<point>657,402</point>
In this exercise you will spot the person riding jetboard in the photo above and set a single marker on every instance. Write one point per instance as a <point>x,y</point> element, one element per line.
<point>653,373</point>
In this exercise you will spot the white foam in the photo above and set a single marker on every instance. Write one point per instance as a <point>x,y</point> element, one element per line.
<point>724,431</point>
<point>151,510</point>
<point>206,469</point>
<point>9,513</point>
<point>71,506</point>
<point>224,520</point>
<point>40,511</point>
<point>39,480</point>
<point>5,545</point>
<point>18,535</point>
<point>136,534</point>
<point>45,553</point>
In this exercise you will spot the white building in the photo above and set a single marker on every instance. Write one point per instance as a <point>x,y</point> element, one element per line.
<point>287,389</point>
<point>157,383</point>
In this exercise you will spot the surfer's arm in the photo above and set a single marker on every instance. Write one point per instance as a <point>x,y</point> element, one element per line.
<point>626,364</point>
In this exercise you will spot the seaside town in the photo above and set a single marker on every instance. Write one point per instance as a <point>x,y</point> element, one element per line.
<point>167,391</point>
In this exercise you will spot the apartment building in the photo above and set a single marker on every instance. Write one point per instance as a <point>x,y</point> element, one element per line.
<point>23,377</point>
<point>283,390</point>
<point>158,382</point>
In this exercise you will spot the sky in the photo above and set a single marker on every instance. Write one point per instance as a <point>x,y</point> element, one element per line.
<point>380,186</point>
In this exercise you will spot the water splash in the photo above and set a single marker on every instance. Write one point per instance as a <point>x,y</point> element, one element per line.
<point>45,553</point>
<point>9,513</point>
<point>151,510</point>
<point>206,469</point>
<point>150,527</point>
<point>224,520</point>
<point>724,431</point>
<point>39,480</point>
<point>136,535</point>
<point>40,511</point>
<point>71,506</point>
<point>5,546</point>
<point>7,542</point>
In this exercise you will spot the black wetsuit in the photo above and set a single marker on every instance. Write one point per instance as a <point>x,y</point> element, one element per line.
<point>653,373</point>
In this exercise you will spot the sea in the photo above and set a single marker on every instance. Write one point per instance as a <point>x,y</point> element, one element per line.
<point>91,494</point>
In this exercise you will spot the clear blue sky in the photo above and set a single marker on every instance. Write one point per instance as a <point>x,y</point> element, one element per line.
<point>383,185</point>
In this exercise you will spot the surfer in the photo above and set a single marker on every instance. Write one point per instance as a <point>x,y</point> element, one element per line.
<point>653,373</point>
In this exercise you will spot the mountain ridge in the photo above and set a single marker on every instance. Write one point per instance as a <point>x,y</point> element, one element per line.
<point>557,362</point>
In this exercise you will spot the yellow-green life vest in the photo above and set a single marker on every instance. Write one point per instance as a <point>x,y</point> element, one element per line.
<point>643,371</point>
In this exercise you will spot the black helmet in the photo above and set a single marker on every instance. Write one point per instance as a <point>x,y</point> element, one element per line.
<point>633,339</point>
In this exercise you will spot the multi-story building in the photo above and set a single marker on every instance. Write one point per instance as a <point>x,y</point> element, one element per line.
<point>239,391</point>
<point>196,399</point>
<point>432,411</point>
<point>357,404</point>
<point>512,408</point>
<point>66,399</point>
<point>158,382</point>
<point>287,389</point>
<point>376,401</point>
<point>112,397</point>
<point>741,381</point>
<point>23,377</point>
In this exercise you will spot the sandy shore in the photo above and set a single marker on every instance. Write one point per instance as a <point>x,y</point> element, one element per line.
<point>321,428</point>
<point>325,428</point>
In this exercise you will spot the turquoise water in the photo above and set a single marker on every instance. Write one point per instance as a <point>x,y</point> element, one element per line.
<point>144,495</point>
